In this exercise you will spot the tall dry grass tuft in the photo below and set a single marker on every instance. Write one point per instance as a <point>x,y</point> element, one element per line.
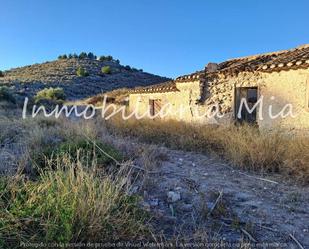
<point>69,204</point>
<point>244,146</point>
<point>296,159</point>
<point>82,199</point>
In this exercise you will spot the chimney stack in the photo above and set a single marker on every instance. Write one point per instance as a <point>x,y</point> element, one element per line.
<point>211,67</point>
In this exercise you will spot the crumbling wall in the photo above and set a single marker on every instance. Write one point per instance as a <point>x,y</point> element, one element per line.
<point>196,99</point>
<point>277,89</point>
<point>219,91</point>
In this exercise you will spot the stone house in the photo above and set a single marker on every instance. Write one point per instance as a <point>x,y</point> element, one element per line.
<point>270,90</point>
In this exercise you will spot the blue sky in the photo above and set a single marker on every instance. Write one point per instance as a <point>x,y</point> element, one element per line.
<point>166,37</point>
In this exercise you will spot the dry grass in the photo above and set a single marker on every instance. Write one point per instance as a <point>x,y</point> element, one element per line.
<point>79,200</point>
<point>69,204</point>
<point>243,146</point>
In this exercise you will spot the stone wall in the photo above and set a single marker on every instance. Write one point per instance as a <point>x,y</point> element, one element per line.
<point>179,103</point>
<point>278,89</point>
<point>219,90</point>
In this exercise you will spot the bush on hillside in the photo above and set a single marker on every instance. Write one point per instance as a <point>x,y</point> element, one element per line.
<point>64,56</point>
<point>1,74</point>
<point>91,56</point>
<point>106,70</point>
<point>6,95</point>
<point>102,58</point>
<point>82,55</point>
<point>52,94</point>
<point>128,67</point>
<point>82,72</point>
<point>107,58</point>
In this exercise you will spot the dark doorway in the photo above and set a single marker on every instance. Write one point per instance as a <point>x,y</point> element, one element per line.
<point>250,94</point>
<point>154,106</point>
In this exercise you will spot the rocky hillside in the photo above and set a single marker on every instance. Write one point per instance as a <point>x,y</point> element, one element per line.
<point>28,80</point>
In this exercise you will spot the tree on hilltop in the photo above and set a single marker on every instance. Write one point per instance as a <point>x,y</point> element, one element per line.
<point>82,55</point>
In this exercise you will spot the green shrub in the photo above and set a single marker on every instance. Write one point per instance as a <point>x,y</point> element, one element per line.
<point>6,95</point>
<point>82,55</point>
<point>1,74</point>
<point>106,70</point>
<point>128,68</point>
<point>91,56</point>
<point>82,72</point>
<point>108,58</point>
<point>64,56</point>
<point>89,149</point>
<point>53,94</point>
<point>102,58</point>
<point>79,148</point>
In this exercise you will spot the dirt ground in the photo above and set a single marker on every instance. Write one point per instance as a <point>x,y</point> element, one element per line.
<point>190,193</point>
<point>198,197</point>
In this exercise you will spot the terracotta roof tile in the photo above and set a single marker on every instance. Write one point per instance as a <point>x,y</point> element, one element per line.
<point>168,86</point>
<point>191,77</point>
<point>276,61</point>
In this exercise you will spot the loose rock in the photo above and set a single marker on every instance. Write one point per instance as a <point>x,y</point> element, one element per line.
<point>173,196</point>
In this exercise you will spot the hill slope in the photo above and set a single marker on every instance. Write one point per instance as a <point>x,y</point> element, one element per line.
<point>26,81</point>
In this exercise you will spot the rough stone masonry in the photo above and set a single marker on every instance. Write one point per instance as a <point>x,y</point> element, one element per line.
<point>276,84</point>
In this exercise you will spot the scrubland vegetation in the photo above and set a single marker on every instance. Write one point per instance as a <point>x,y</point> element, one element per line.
<point>68,203</point>
<point>65,186</point>
<point>82,72</point>
<point>6,95</point>
<point>67,181</point>
<point>90,56</point>
<point>106,70</point>
<point>244,146</point>
<point>51,94</point>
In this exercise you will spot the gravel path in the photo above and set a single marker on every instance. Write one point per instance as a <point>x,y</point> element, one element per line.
<point>188,192</point>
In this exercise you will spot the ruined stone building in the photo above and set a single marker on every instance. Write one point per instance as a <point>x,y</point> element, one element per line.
<point>274,83</point>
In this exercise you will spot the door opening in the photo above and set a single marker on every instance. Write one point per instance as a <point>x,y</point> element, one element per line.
<point>154,106</point>
<point>250,95</point>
